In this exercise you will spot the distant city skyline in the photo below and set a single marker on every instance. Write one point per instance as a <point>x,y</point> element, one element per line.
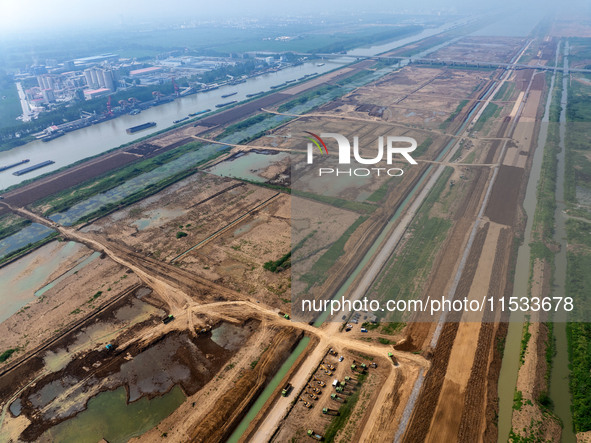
<point>39,15</point>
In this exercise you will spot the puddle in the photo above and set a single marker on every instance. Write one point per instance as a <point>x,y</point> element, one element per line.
<point>157,217</point>
<point>15,407</point>
<point>246,227</point>
<point>50,391</point>
<point>247,166</point>
<point>100,333</point>
<point>153,379</point>
<point>72,271</point>
<point>29,273</point>
<point>110,417</point>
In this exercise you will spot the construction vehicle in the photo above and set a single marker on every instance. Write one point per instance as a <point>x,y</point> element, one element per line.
<point>325,369</point>
<point>328,411</point>
<point>286,390</point>
<point>176,87</point>
<point>315,390</point>
<point>329,366</point>
<point>331,351</point>
<point>314,435</point>
<point>358,369</point>
<point>312,395</point>
<point>394,360</point>
<point>110,347</point>
<point>363,365</point>
<point>306,404</point>
<point>374,365</point>
<point>320,382</point>
<point>335,397</point>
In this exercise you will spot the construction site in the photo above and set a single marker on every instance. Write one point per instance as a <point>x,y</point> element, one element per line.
<point>182,307</point>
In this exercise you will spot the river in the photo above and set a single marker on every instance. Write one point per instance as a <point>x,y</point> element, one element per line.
<point>102,137</point>
<point>559,386</point>
<point>559,390</point>
<point>93,140</point>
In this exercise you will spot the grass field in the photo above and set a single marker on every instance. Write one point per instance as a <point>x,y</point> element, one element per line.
<point>318,274</point>
<point>409,267</point>
<point>578,277</point>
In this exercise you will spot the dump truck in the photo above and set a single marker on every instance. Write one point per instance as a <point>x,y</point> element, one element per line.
<point>168,319</point>
<point>394,360</point>
<point>284,315</point>
<point>328,411</point>
<point>286,390</point>
<point>335,397</point>
<point>314,435</point>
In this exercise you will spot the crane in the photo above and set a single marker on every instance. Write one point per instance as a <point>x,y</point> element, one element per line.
<point>109,111</point>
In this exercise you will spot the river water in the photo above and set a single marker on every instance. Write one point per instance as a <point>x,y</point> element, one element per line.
<point>559,389</point>
<point>559,386</point>
<point>93,140</point>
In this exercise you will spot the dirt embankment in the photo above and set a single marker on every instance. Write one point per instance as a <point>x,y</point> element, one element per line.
<point>418,428</point>
<point>481,391</point>
<point>532,417</point>
<point>233,405</point>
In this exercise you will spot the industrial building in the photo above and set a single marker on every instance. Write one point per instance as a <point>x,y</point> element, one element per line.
<point>100,78</point>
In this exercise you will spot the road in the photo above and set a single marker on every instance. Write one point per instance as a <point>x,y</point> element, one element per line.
<point>27,114</point>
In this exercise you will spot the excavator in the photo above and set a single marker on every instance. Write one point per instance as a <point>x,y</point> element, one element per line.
<point>306,404</point>
<point>329,366</point>
<point>315,390</point>
<point>320,382</point>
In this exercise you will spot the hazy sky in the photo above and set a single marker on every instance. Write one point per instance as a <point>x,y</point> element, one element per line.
<point>21,16</point>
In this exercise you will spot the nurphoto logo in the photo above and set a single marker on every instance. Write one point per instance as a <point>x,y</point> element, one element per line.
<point>394,146</point>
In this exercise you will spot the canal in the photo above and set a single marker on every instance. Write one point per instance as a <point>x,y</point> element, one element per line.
<point>559,389</point>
